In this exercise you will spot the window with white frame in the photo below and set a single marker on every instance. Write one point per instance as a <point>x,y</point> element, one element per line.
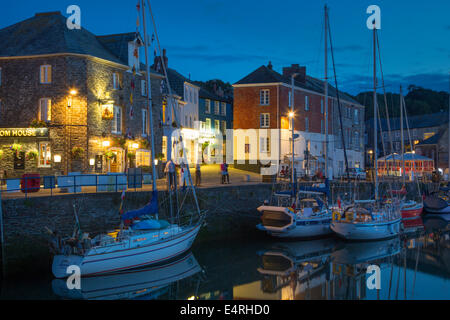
<point>216,125</point>
<point>117,120</point>
<point>264,120</point>
<point>116,80</point>
<point>143,158</point>
<point>144,122</point>
<point>45,109</point>
<point>45,74</point>
<point>264,97</point>
<point>207,106</point>
<point>290,98</point>
<point>264,144</point>
<point>306,103</point>
<point>356,116</point>
<point>306,124</point>
<point>224,109</point>
<point>208,124</point>
<point>45,156</point>
<point>216,107</point>
<point>143,88</point>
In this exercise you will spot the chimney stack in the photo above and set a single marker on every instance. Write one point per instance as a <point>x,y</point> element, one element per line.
<point>295,68</point>
<point>157,65</point>
<point>270,65</point>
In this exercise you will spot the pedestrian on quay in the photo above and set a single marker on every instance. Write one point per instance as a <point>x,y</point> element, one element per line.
<point>184,176</point>
<point>226,176</point>
<point>222,173</point>
<point>169,170</point>
<point>198,175</point>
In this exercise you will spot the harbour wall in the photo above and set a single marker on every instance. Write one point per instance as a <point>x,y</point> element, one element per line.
<point>231,214</point>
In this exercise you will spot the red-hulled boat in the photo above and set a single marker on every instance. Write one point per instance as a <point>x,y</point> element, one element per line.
<point>411,209</point>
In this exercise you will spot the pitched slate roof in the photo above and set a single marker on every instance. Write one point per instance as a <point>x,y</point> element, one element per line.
<point>47,33</point>
<point>265,75</point>
<point>421,121</point>
<point>434,139</point>
<point>118,43</point>
<point>176,81</point>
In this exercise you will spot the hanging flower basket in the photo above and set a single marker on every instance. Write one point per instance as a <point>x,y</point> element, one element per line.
<point>32,155</point>
<point>77,153</point>
<point>16,147</point>
<point>38,124</point>
<point>110,155</point>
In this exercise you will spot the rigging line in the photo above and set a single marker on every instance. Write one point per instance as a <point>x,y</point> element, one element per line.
<point>192,188</point>
<point>410,142</point>
<point>338,100</point>
<point>384,93</point>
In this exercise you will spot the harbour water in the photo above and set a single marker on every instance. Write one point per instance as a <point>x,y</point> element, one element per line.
<point>415,265</point>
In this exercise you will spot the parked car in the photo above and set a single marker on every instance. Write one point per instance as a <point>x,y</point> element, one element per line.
<point>357,173</point>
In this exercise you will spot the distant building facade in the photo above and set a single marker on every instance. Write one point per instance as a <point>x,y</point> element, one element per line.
<point>72,103</point>
<point>262,100</point>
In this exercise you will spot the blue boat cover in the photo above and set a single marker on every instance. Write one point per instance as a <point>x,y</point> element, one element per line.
<point>150,208</point>
<point>325,190</point>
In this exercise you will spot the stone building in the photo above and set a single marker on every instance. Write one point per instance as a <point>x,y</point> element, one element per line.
<point>71,101</point>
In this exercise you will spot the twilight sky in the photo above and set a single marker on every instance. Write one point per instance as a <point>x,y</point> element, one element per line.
<point>227,39</point>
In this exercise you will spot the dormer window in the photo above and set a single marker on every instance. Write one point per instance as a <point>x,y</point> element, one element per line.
<point>45,75</point>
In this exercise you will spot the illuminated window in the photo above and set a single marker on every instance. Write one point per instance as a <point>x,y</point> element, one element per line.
<point>46,74</point>
<point>208,124</point>
<point>45,109</point>
<point>164,148</point>
<point>264,97</point>
<point>224,126</point>
<point>428,135</point>
<point>45,155</point>
<point>216,125</point>
<point>142,158</point>
<point>117,121</point>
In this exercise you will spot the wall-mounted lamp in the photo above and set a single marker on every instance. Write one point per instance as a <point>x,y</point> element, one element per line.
<point>156,162</point>
<point>135,145</point>
<point>57,158</point>
<point>106,143</point>
<point>92,161</point>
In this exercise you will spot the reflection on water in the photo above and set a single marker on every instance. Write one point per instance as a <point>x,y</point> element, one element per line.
<point>415,265</point>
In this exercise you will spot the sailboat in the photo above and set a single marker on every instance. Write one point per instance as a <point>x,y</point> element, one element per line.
<point>146,241</point>
<point>370,219</point>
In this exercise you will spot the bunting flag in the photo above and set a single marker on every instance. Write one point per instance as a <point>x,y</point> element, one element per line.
<point>131,112</point>
<point>134,70</point>
<point>132,84</point>
<point>131,98</point>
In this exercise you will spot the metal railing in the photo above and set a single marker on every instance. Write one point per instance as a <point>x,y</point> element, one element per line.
<point>74,183</point>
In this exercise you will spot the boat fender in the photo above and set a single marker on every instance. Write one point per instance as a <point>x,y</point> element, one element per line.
<point>336,216</point>
<point>349,216</point>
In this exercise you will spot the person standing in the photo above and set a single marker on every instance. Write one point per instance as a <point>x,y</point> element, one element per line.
<point>222,173</point>
<point>198,175</point>
<point>184,176</point>
<point>170,171</point>
<point>226,175</point>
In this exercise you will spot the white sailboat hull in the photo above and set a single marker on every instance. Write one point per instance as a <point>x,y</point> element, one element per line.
<point>297,227</point>
<point>128,254</point>
<point>366,231</point>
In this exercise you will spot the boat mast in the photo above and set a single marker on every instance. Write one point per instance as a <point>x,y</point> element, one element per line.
<point>292,135</point>
<point>448,131</point>
<point>326,94</point>
<point>401,136</point>
<point>149,95</point>
<point>375,138</point>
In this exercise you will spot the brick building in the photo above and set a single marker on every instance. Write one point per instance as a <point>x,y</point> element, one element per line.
<point>70,101</point>
<point>262,100</point>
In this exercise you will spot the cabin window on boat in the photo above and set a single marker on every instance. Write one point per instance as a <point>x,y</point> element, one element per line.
<point>142,158</point>
<point>45,109</point>
<point>117,121</point>
<point>45,155</point>
<point>45,74</point>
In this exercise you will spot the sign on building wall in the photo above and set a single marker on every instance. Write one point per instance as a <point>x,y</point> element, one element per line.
<point>107,112</point>
<point>23,132</point>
